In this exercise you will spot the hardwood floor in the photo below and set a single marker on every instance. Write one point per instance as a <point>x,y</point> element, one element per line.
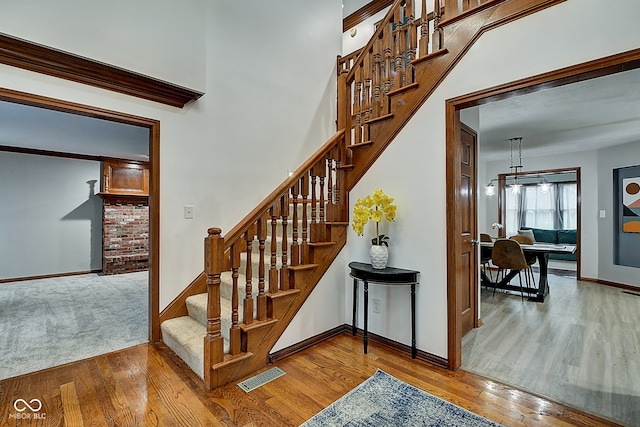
<point>147,385</point>
<point>580,347</point>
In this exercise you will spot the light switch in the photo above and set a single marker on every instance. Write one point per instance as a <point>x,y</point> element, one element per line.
<point>602,213</point>
<point>188,211</point>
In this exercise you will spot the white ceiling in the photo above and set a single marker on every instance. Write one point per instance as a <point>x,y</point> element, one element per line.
<point>38,128</point>
<point>581,116</point>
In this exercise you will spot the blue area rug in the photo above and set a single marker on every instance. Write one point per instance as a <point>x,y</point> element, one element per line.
<point>383,400</point>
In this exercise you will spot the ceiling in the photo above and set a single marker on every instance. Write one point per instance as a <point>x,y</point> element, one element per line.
<point>587,115</point>
<point>41,129</point>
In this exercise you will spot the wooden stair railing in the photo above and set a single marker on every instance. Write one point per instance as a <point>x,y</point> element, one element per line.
<point>396,72</point>
<point>377,96</point>
<point>385,66</point>
<point>318,186</point>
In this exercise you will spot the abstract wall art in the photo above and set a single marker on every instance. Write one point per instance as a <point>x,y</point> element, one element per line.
<point>626,222</point>
<point>631,205</point>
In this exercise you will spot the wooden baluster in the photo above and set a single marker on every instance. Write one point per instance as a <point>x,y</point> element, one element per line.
<point>284,269</point>
<point>304,249</point>
<point>411,43</point>
<point>322,172</point>
<point>398,58</point>
<point>377,78</point>
<point>213,266</point>
<point>357,106</point>
<point>424,31</point>
<point>344,105</point>
<point>273,271</point>
<point>234,334</point>
<point>438,35</point>
<point>295,247</point>
<point>330,189</point>
<point>248,297</point>
<point>466,5</point>
<point>339,185</point>
<point>367,96</point>
<point>388,64</point>
<point>313,226</point>
<point>318,227</point>
<point>450,9</point>
<point>262,296</point>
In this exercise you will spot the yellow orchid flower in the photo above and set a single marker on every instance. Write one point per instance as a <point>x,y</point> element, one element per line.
<point>375,207</point>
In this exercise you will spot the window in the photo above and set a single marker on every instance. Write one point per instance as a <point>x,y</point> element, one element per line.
<point>556,208</point>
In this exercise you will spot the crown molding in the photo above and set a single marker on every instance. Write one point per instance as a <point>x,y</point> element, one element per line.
<point>57,63</point>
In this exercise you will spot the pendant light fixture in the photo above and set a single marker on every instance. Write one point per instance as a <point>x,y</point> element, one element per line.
<point>516,169</point>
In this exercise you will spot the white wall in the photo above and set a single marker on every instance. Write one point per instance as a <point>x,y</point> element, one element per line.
<point>608,159</point>
<point>50,217</point>
<point>529,46</point>
<point>162,38</point>
<point>268,73</point>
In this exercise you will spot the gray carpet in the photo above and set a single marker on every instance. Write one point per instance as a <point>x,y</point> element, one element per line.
<point>50,322</point>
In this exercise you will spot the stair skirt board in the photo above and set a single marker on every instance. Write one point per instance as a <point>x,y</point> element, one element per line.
<point>261,379</point>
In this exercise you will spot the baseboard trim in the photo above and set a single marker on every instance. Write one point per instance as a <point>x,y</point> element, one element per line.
<point>612,284</point>
<point>317,339</point>
<point>309,342</point>
<point>48,276</point>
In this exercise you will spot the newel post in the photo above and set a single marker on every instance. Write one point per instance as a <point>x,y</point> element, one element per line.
<point>213,266</point>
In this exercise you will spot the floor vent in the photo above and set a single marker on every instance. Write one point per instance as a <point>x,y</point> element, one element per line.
<point>631,293</point>
<point>261,379</point>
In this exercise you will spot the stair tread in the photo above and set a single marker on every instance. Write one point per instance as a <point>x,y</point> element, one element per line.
<point>185,336</point>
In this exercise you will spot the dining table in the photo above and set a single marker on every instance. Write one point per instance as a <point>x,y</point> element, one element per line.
<point>541,251</point>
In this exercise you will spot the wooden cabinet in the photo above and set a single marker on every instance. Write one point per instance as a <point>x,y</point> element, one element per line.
<point>125,178</point>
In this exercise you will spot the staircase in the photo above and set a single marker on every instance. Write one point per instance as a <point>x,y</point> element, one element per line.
<point>258,275</point>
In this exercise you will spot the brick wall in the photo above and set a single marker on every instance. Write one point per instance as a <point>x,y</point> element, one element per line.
<point>125,236</point>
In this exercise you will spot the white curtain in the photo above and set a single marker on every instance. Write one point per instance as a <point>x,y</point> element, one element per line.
<point>556,208</point>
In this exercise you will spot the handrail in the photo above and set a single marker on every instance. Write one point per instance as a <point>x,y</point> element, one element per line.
<point>236,232</point>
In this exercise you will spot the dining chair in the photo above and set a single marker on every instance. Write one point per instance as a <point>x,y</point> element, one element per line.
<point>507,255</point>
<point>485,255</point>
<point>531,258</point>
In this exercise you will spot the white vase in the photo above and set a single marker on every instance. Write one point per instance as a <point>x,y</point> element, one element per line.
<point>379,256</point>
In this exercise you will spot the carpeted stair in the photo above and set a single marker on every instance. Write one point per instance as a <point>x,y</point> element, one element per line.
<point>185,335</point>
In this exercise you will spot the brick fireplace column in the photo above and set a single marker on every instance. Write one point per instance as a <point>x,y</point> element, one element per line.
<point>125,217</point>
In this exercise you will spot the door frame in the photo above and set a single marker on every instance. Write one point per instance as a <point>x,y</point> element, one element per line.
<point>600,67</point>
<point>17,97</point>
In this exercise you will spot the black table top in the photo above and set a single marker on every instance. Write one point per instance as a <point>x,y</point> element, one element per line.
<point>390,275</point>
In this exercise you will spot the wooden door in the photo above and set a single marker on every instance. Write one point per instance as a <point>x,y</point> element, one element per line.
<point>467,273</point>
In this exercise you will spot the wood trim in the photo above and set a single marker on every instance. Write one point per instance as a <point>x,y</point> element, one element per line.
<point>77,156</point>
<point>454,321</point>
<point>448,21</point>
<point>365,12</point>
<point>48,276</point>
<point>153,125</point>
<point>317,339</point>
<point>620,62</point>
<point>308,343</point>
<point>580,72</point>
<point>57,63</point>
<point>612,284</point>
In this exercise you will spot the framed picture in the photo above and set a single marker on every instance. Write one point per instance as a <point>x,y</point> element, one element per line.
<point>626,227</point>
<point>631,205</point>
